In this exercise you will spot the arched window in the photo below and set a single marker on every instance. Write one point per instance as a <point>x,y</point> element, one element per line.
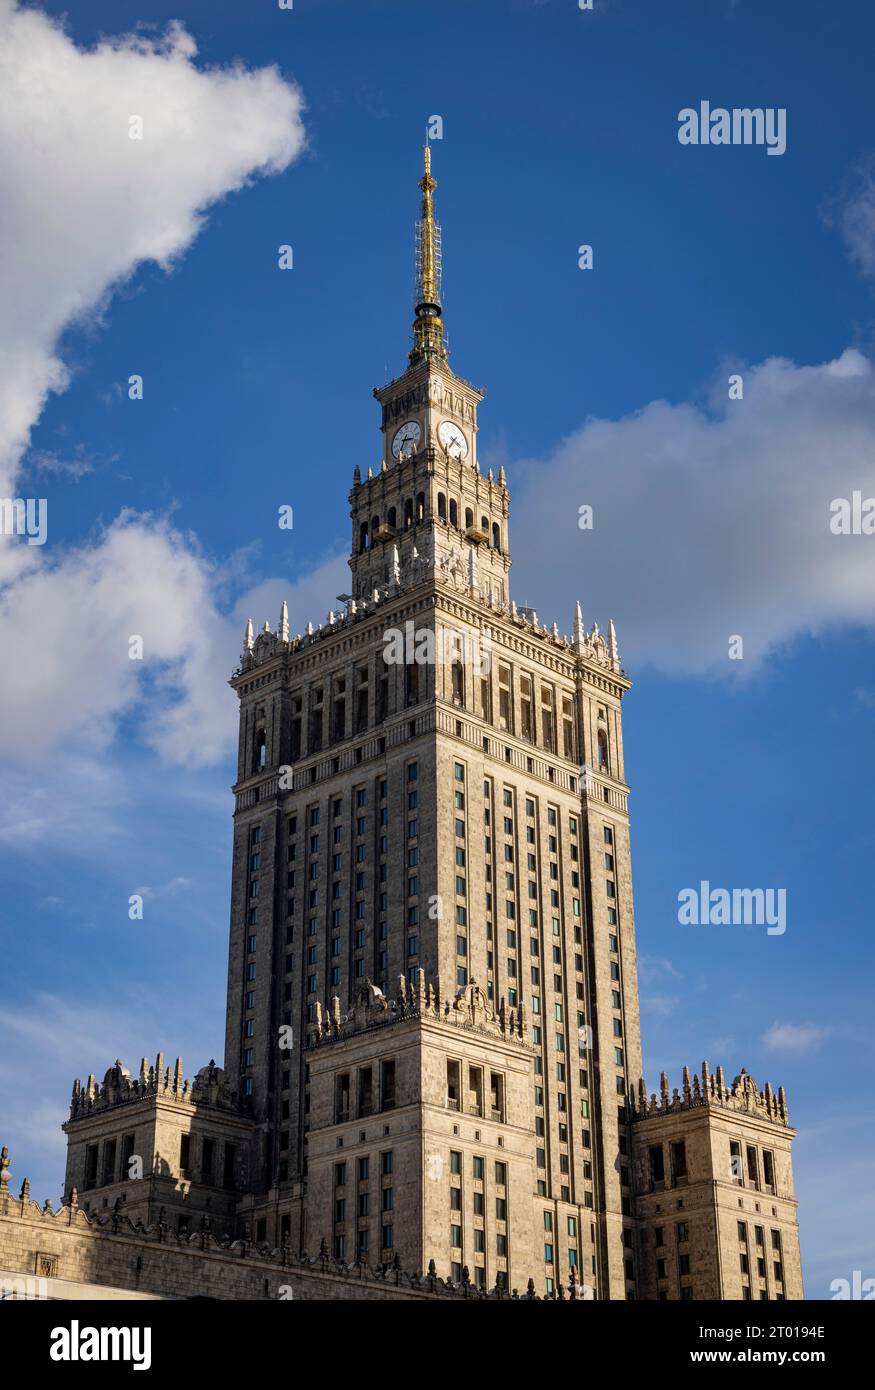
<point>408,512</point>
<point>469,518</point>
<point>484,524</point>
<point>420,506</point>
<point>391,518</point>
<point>454,512</point>
<point>375,526</point>
<point>363,536</point>
<point>604,765</point>
<point>496,536</point>
<point>442,507</point>
<point>260,759</point>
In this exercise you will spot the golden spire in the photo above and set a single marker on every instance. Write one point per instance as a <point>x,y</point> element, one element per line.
<point>428,330</point>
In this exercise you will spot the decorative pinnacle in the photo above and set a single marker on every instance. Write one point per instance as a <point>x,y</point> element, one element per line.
<point>579,630</point>
<point>428,329</point>
<point>612,644</point>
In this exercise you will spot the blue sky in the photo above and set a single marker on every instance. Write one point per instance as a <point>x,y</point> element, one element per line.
<point>605,387</point>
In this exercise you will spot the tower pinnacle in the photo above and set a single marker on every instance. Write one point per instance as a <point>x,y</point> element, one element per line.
<point>428,329</point>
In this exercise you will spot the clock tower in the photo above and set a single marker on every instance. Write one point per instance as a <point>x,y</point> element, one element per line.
<point>429,505</point>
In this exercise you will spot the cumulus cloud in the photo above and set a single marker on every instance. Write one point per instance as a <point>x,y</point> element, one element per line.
<point>140,579</point>
<point>84,206</point>
<point>709,522</point>
<point>794,1037</point>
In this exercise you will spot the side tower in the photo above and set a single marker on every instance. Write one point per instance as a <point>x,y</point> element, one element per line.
<point>421,1130</point>
<point>158,1148</point>
<point>431,786</point>
<point>716,1206</point>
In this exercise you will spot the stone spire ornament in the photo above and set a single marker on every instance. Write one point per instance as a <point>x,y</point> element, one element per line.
<point>283,629</point>
<point>473,570</point>
<point>579,631</point>
<point>249,637</point>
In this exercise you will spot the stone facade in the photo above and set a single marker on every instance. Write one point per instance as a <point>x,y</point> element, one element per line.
<point>715,1200</point>
<point>431,785</point>
<point>159,1148</point>
<point>432,1025</point>
<point>67,1254</point>
<point>420,1124</point>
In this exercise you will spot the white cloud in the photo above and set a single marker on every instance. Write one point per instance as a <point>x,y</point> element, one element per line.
<point>708,522</point>
<point>853,211</point>
<point>84,206</point>
<point>76,679</point>
<point>794,1037</point>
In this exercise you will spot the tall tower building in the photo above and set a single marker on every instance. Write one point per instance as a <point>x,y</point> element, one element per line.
<point>432,1047</point>
<point>431,791</point>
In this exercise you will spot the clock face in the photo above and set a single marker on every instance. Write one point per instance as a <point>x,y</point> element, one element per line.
<point>407,439</point>
<point>453,440</point>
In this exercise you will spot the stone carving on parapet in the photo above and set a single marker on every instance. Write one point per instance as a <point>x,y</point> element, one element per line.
<point>449,569</point>
<point>124,1233</point>
<point>469,1007</point>
<point>742,1096</point>
<point>119,1087</point>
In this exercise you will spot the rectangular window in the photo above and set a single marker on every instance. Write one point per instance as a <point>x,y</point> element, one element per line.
<point>109,1158</point>
<point>678,1160</point>
<point>387,1098</point>
<point>505,703</point>
<point>657,1166</point>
